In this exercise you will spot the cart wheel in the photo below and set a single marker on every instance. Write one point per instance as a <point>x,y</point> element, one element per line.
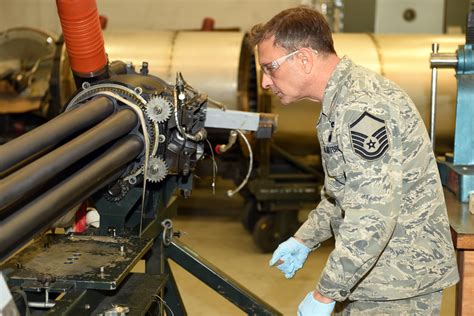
<point>250,215</point>
<point>265,234</point>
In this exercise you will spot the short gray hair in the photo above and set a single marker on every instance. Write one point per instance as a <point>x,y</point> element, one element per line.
<point>295,28</point>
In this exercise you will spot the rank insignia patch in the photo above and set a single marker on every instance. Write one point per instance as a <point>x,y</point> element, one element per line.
<point>369,136</point>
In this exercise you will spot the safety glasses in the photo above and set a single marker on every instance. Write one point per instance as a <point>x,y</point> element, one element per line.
<point>271,67</point>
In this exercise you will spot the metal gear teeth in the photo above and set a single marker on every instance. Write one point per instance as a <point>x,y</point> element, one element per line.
<point>157,169</point>
<point>158,109</point>
<point>116,198</point>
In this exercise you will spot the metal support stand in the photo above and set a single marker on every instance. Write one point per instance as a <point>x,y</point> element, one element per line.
<point>215,279</point>
<point>172,296</point>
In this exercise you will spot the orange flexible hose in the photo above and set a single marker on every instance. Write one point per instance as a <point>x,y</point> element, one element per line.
<point>82,35</point>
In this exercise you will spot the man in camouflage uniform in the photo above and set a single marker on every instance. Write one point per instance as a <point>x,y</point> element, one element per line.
<point>382,198</point>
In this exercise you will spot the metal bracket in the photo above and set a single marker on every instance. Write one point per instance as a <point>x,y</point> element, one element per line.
<point>220,282</point>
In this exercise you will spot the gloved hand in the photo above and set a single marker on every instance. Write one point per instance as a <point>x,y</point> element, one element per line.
<point>311,307</point>
<point>293,254</point>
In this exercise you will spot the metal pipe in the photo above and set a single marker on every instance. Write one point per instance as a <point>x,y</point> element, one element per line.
<point>54,131</point>
<point>19,227</point>
<point>19,184</point>
<point>442,60</point>
<point>434,81</point>
<point>41,304</point>
<point>220,149</point>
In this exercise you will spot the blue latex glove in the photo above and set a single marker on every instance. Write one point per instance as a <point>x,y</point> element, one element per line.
<point>293,254</point>
<point>311,307</point>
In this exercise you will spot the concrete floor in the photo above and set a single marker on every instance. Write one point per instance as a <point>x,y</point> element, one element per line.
<point>213,230</point>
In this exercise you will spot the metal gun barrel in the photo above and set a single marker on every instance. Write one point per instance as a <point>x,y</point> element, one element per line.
<point>18,185</point>
<point>54,131</point>
<point>19,227</point>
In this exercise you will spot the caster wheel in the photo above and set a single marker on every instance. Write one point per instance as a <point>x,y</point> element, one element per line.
<point>250,215</point>
<point>265,234</point>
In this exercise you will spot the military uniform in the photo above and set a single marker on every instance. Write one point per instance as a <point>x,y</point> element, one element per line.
<point>382,197</point>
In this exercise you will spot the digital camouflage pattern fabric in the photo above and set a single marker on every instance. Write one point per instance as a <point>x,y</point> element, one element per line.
<point>424,305</point>
<point>382,197</point>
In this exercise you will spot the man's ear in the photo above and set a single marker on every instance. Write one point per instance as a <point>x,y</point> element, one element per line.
<point>306,58</point>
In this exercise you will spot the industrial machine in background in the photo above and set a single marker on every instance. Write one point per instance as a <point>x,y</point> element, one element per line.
<point>35,79</point>
<point>125,144</point>
<point>457,166</point>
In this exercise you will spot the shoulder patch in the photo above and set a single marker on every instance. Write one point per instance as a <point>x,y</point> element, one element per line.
<point>369,136</point>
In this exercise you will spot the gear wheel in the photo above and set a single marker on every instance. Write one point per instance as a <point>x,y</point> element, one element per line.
<point>158,109</point>
<point>157,169</point>
<point>116,192</point>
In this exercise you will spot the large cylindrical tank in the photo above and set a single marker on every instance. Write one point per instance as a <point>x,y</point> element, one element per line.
<point>219,64</point>
<point>209,61</point>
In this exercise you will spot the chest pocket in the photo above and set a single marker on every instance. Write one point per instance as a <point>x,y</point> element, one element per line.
<point>334,165</point>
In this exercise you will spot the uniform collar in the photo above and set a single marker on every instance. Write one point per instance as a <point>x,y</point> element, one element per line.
<point>341,71</point>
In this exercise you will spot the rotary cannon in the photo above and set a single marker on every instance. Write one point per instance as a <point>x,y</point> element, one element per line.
<point>126,142</point>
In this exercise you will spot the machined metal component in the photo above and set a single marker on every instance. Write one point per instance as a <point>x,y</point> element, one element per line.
<point>443,60</point>
<point>167,234</point>
<point>434,85</point>
<point>130,96</point>
<point>230,119</point>
<point>220,149</point>
<point>117,191</point>
<point>99,260</point>
<point>157,169</point>
<point>158,109</point>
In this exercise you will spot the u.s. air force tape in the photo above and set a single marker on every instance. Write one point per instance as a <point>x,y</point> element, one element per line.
<point>369,136</point>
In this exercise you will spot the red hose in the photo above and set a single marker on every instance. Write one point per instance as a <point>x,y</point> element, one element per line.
<point>207,24</point>
<point>82,35</point>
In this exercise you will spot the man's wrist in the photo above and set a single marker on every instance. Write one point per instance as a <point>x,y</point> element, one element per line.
<point>299,240</point>
<point>320,298</point>
<point>308,243</point>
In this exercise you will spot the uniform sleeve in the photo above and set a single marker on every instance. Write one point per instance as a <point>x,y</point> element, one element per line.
<point>370,203</point>
<point>317,228</point>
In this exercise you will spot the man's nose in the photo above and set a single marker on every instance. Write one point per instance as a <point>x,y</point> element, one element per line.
<point>266,81</point>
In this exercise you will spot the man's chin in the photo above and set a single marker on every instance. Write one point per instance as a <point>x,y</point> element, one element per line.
<point>281,97</point>
<point>284,100</point>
